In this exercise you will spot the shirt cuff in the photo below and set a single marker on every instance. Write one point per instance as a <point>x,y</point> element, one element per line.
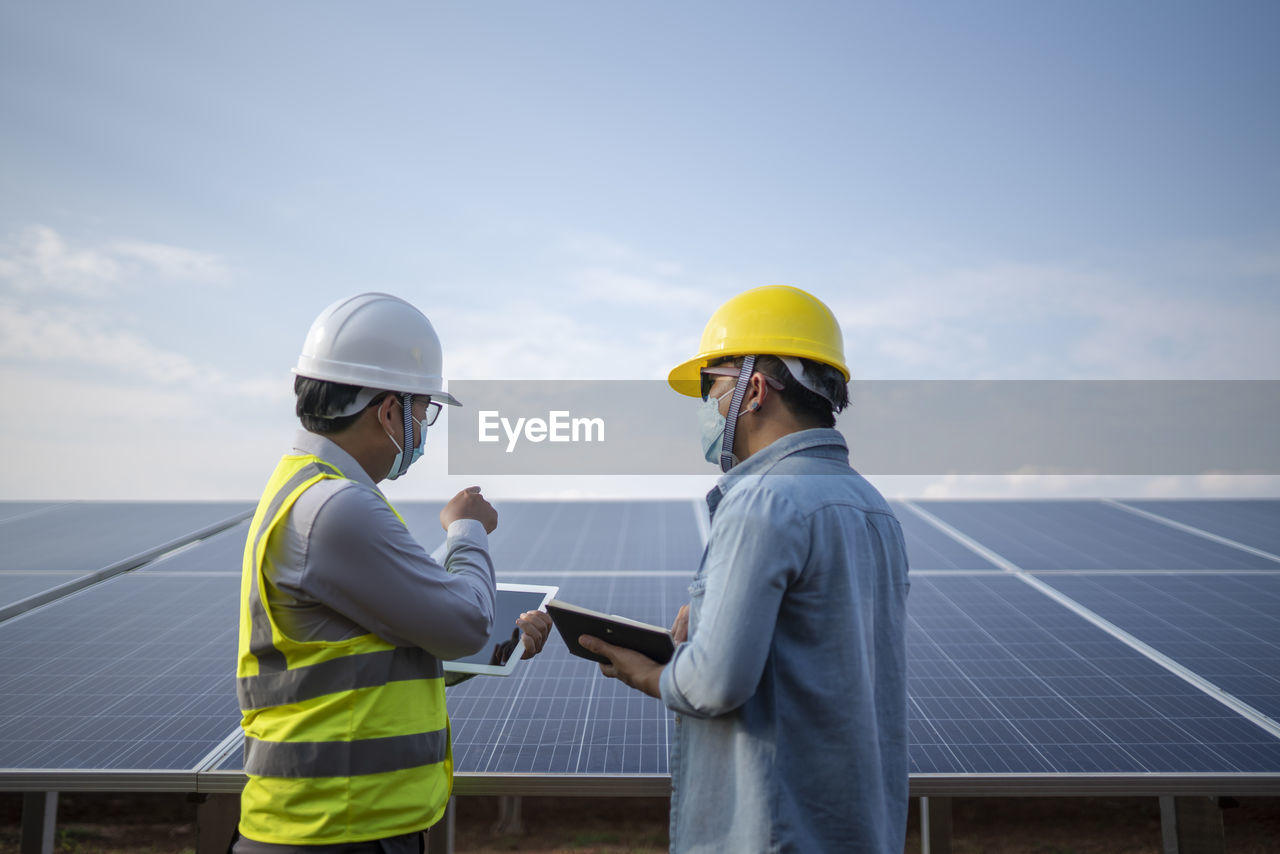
<point>672,697</point>
<point>468,529</point>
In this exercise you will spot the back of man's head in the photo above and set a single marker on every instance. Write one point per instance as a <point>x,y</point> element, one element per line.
<point>319,403</point>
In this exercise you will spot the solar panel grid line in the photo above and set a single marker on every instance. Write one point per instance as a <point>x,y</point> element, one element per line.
<point>34,511</point>
<point>233,742</point>
<point>981,693</point>
<point>1230,700</point>
<point>63,705</point>
<point>963,539</point>
<point>1226,631</point>
<point>128,564</point>
<point>1050,573</point>
<point>1090,721</point>
<point>1191,529</point>
<point>1047,534</point>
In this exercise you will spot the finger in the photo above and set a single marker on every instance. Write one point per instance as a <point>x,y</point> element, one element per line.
<point>532,628</point>
<point>472,489</point>
<point>599,647</point>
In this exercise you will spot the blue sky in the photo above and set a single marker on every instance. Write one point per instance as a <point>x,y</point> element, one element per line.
<point>568,189</point>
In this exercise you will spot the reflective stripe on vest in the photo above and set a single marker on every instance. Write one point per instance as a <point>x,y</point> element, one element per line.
<point>344,740</point>
<point>341,759</point>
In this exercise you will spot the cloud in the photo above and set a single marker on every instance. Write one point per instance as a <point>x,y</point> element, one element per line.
<point>44,338</point>
<point>637,289</point>
<point>1025,321</point>
<point>38,259</point>
<point>173,262</point>
<point>53,336</point>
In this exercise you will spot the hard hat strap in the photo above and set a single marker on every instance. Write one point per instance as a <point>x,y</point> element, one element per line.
<point>735,402</point>
<point>406,456</point>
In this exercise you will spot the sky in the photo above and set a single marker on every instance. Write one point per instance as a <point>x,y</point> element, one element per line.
<point>987,190</point>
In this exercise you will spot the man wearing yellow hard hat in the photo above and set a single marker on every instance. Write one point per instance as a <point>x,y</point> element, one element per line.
<point>789,675</point>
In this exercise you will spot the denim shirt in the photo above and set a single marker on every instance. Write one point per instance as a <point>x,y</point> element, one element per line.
<point>790,694</point>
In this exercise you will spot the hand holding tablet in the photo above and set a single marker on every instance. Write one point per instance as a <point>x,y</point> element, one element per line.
<point>572,621</point>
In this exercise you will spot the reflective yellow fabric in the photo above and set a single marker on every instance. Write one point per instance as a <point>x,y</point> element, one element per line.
<point>355,728</point>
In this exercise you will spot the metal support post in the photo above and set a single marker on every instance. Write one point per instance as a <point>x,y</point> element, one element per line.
<point>216,820</point>
<point>39,819</point>
<point>935,825</point>
<point>509,821</point>
<point>440,837</point>
<point>1191,825</point>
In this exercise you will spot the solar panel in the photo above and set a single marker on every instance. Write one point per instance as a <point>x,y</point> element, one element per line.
<point>70,541</point>
<point>1223,627</point>
<point>930,549</point>
<point>18,509</point>
<point>1004,680</point>
<point>138,672</point>
<point>1250,521</point>
<point>134,673</point>
<point>1047,535</point>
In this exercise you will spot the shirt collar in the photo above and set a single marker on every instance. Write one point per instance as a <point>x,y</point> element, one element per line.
<point>331,452</point>
<point>763,460</point>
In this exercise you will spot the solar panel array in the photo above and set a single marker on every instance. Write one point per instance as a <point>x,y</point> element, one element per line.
<point>1045,639</point>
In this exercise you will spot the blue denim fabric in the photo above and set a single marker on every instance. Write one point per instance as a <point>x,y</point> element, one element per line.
<point>790,694</point>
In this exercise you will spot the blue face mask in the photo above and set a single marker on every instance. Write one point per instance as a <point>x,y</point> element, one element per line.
<point>414,457</point>
<point>711,425</point>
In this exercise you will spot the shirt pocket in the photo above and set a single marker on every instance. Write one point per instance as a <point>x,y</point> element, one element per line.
<point>697,587</point>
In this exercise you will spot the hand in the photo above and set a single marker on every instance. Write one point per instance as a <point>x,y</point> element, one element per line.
<point>633,668</point>
<point>680,628</point>
<point>536,627</point>
<point>501,652</point>
<point>469,504</point>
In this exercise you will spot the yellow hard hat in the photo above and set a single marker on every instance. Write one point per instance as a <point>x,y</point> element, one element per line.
<point>777,320</point>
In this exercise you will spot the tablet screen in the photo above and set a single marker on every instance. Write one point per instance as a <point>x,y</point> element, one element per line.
<point>499,656</point>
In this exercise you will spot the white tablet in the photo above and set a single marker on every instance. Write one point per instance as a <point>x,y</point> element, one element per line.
<point>503,652</point>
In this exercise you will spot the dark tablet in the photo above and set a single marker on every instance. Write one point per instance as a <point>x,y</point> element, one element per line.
<point>572,621</point>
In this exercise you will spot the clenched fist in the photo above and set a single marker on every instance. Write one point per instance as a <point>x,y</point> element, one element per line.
<point>470,504</point>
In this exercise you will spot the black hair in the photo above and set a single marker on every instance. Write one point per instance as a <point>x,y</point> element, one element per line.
<point>316,399</point>
<point>806,405</point>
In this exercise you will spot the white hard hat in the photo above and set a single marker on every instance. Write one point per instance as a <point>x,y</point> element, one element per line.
<point>375,341</point>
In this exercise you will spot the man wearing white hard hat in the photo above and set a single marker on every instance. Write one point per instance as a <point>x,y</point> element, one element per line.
<point>789,674</point>
<point>345,619</point>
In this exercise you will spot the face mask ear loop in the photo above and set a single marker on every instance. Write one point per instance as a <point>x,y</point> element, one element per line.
<point>406,456</point>
<point>731,420</point>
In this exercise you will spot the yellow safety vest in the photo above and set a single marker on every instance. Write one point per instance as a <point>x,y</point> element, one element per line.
<point>345,740</point>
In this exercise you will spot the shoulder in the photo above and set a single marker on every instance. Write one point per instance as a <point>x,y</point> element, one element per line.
<point>805,487</point>
<point>340,507</point>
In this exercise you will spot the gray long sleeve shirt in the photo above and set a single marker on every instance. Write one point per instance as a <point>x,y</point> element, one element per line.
<point>343,565</point>
<point>791,690</point>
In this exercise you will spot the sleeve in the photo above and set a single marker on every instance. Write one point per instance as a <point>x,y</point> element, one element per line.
<point>757,548</point>
<point>363,563</point>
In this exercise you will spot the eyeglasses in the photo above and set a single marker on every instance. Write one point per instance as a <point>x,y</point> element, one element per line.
<point>433,412</point>
<point>433,408</point>
<point>710,374</point>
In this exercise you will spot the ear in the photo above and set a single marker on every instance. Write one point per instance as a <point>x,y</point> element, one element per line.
<point>384,410</point>
<point>757,388</point>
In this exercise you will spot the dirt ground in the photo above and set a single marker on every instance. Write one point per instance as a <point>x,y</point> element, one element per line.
<point>165,824</point>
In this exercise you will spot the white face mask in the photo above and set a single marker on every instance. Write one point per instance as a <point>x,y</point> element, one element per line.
<point>711,425</point>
